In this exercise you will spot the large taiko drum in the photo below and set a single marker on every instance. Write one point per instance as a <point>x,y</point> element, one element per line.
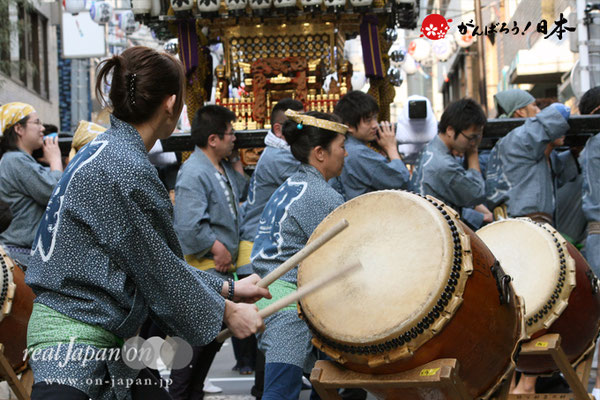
<point>429,289</point>
<point>16,302</point>
<point>559,289</point>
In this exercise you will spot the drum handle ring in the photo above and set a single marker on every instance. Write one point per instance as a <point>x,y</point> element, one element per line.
<point>593,281</point>
<point>502,282</point>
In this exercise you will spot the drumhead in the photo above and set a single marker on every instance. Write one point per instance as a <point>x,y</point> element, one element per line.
<point>532,254</point>
<point>405,246</point>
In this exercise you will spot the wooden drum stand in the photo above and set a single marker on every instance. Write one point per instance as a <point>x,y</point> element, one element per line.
<point>577,378</point>
<point>441,376</point>
<point>20,387</point>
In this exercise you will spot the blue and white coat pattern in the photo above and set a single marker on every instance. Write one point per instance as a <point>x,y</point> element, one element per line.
<point>289,218</point>
<point>106,254</point>
<point>206,206</point>
<point>590,165</point>
<point>26,186</point>
<point>518,173</point>
<point>365,171</point>
<point>274,167</point>
<point>439,174</point>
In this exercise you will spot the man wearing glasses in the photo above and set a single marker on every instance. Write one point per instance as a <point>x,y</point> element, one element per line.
<point>524,172</point>
<point>439,171</point>
<point>207,222</point>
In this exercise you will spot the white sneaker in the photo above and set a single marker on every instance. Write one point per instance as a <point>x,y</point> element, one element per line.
<point>210,388</point>
<point>596,393</point>
<point>306,383</point>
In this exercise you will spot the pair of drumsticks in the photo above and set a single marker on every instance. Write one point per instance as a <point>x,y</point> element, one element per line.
<point>289,264</point>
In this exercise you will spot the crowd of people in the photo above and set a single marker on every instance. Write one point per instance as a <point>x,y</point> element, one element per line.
<point>107,251</point>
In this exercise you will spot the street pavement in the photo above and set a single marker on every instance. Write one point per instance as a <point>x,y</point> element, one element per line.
<point>234,385</point>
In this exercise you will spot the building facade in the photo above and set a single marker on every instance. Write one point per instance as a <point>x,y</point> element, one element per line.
<point>28,56</point>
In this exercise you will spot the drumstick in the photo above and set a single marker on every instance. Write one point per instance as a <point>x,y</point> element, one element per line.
<point>302,254</point>
<point>298,294</point>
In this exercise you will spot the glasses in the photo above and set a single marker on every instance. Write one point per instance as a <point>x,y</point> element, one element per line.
<point>36,122</point>
<point>472,139</point>
<point>370,119</point>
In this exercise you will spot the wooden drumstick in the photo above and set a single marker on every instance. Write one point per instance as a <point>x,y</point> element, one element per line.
<point>302,254</point>
<point>298,294</point>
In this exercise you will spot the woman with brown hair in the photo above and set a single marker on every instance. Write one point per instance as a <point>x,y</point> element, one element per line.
<point>106,255</point>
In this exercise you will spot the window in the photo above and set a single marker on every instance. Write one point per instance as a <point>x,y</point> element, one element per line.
<point>4,40</point>
<point>24,45</point>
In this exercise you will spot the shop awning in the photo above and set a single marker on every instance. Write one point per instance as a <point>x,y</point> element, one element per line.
<point>545,62</point>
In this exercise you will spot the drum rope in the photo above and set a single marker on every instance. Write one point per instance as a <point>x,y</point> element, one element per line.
<point>539,316</point>
<point>5,271</point>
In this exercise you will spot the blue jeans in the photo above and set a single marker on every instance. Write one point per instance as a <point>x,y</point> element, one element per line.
<point>283,382</point>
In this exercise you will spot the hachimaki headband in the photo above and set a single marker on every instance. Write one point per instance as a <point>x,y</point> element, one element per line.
<point>303,119</point>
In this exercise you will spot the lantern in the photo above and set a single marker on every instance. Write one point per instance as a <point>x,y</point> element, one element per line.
<point>101,12</point>
<point>397,56</point>
<point>182,5</point>
<point>141,6</point>
<point>465,40</point>
<point>127,22</point>
<point>390,35</point>
<point>171,47</point>
<point>157,8</point>
<point>285,6</point>
<point>236,8</point>
<point>260,7</point>
<point>442,49</point>
<point>74,6</point>
<point>409,65</point>
<point>405,13</point>
<point>361,5</point>
<point>395,76</point>
<point>311,5</point>
<point>208,8</point>
<point>419,49</point>
<point>335,6</point>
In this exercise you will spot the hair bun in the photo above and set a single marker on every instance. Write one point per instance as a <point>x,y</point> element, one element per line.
<point>291,131</point>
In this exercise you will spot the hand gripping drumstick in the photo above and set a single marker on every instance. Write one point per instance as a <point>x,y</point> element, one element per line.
<point>302,254</point>
<point>293,261</point>
<point>298,294</point>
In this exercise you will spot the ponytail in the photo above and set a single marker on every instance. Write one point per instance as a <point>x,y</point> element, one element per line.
<point>140,80</point>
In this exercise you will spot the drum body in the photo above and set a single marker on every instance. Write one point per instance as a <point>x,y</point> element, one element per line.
<point>429,289</point>
<point>559,289</point>
<point>16,299</point>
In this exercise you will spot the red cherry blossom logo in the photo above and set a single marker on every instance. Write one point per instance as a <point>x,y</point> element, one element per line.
<point>435,27</point>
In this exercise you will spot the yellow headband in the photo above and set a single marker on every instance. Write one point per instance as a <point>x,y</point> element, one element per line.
<point>85,133</point>
<point>11,113</point>
<point>304,119</point>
